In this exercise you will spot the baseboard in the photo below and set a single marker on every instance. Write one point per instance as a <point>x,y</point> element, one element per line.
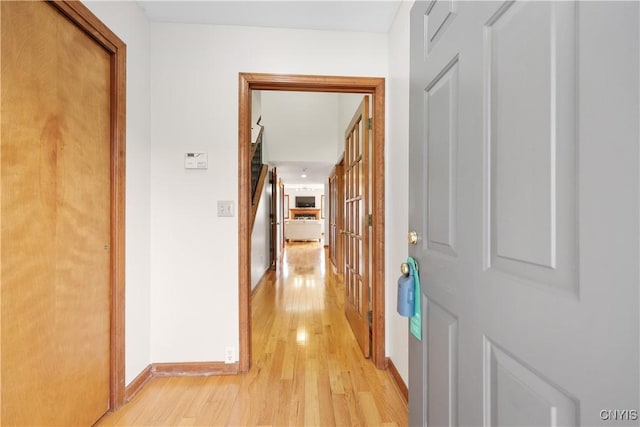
<point>138,382</point>
<point>398,379</point>
<point>268,272</point>
<point>193,369</point>
<point>180,369</point>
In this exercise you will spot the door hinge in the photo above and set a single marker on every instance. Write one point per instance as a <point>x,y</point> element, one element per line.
<point>369,220</point>
<point>369,123</point>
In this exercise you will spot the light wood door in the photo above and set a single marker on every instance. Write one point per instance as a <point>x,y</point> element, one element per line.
<point>273,217</point>
<point>55,233</point>
<point>336,209</point>
<point>281,218</point>
<point>524,195</point>
<point>355,226</point>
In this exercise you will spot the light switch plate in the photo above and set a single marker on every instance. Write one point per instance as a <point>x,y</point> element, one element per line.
<point>225,208</point>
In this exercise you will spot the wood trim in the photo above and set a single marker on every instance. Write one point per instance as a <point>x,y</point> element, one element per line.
<point>1,341</point>
<point>378,226</point>
<point>80,15</point>
<point>397,378</point>
<point>340,216</point>
<point>286,210</point>
<point>360,329</point>
<point>193,369</point>
<point>138,382</point>
<point>244,225</point>
<point>336,184</point>
<point>310,83</point>
<point>273,217</point>
<point>268,274</point>
<point>177,369</point>
<point>254,148</point>
<point>305,211</point>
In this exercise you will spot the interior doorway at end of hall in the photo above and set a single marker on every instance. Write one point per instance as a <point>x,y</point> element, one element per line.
<point>374,87</point>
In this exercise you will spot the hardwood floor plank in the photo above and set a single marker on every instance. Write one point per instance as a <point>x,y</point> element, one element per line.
<point>283,404</point>
<point>369,409</point>
<point>340,410</point>
<point>307,366</point>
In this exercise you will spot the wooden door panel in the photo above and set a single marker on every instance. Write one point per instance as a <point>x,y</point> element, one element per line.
<point>336,216</point>
<point>356,230</point>
<point>531,184</point>
<point>56,139</point>
<point>273,217</point>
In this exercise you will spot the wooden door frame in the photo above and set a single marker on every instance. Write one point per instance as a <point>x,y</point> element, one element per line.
<point>335,236</point>
<point>85,20</point>
<point>374,86</point>
<point>273,216</point>
<point>281,220</point>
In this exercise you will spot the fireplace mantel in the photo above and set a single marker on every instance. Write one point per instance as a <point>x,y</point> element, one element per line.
<point>306,212</point>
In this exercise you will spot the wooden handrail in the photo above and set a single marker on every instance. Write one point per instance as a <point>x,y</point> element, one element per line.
<point>254,145</point>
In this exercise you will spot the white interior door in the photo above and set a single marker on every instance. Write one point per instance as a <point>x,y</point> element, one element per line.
<point>524,193</point>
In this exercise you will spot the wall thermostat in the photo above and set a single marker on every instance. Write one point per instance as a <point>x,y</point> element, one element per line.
<point>196,161</point>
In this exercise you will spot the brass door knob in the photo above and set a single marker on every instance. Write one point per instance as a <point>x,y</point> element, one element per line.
<point>413,237</point>
<point>404,269</point>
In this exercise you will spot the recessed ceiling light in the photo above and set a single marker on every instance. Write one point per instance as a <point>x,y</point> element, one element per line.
<point>303,175</point>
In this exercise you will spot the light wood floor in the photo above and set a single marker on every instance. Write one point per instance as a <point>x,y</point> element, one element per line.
<point>307,367</point>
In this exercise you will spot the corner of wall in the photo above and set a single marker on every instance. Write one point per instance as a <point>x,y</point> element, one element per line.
<point>397,200</point>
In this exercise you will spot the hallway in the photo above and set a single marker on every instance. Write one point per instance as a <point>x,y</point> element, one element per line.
<point>307,367</point>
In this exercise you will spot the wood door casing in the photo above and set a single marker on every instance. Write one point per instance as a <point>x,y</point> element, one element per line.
<point>355,226</point>
<point>62,186</point>
<point>336,200</point>
<point>375,87</point>
<point>273,217</point>
<point>281,218</point>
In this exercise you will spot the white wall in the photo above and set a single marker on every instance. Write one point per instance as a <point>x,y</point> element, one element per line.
<point>193,264</point>
<point>194,106</point>
<point>397,179</point>
<point>260,237</point>
<point>128,22</point>
<point>256,106</point>
<point>300,126</point>
<point>292,190</point>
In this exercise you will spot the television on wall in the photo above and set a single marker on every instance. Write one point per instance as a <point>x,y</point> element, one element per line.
<point>305,201</point>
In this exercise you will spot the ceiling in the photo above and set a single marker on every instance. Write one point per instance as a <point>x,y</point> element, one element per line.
<point>373,16</point>
<point>290,172</point>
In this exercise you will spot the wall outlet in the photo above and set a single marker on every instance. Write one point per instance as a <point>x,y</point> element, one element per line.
<point>229,355</point>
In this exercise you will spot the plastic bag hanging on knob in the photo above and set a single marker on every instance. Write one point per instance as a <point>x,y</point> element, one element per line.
<point>406,295</point>
<point>415,322</point>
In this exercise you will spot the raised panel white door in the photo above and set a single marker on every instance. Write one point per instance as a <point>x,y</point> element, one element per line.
<point>524,192</point>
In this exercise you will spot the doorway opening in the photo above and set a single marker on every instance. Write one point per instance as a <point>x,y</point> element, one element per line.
<point>374,86</point>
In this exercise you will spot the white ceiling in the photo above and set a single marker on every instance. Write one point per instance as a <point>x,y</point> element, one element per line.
<point>334,15</point>
<point>290,173</point>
